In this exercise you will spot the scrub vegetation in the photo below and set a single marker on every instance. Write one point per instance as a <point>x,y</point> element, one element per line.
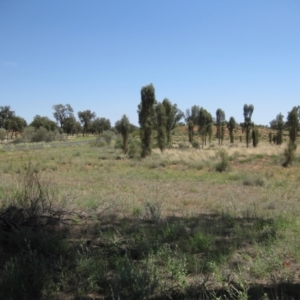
<point>88,221</point>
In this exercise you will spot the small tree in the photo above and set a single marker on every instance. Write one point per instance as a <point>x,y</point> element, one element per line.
<point>145,111</point>
<point>248,111</point>
<point>231,126</point>
<point>123,127</point>
<point>161,126</point>
<point>191,131</point>
<point>270,135</point>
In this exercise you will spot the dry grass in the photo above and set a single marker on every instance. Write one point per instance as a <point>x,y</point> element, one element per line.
<point>187,187</point>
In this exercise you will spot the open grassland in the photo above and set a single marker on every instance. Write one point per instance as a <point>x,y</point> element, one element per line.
<point>167,227</point>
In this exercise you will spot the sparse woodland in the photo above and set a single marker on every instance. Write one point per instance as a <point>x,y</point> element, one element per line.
<point>186,206</point>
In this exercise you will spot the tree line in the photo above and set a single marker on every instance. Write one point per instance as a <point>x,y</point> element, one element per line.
<point>154,116</point>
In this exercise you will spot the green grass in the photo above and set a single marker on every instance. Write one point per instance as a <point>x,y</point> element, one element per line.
<point>170,225</point>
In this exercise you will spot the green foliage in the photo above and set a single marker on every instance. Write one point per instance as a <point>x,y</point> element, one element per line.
<point>5,114</point>
<point>270,136</point>
<point>161,126</point>
<point>192,114</point>
<point>134,282</point>
<point>173,116</point>
<point>223,165</point>
<point>99,125</point>
<point>25,278</point>
<point>220,120</point>
<point>108,135</point>
<point>41,135</point>
<point>231,126</point>
<point>146,112</point>
<point>45,122</point>
<point>98,142</point>
<point>293,124</point>
<point>248,111</point>
<point>191,130</point>
<point>62,112</point>
<point>86,118</point>
<point>205,124</point>
<point>255,137</point>
<point>134,149</point>
<point>15,125</point>
<point>289,154</point>
<point>123,127</point>
<point>70,125</point>
<point>153,212</point>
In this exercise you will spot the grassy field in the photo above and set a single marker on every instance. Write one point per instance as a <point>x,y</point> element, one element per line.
<point>87,222</point>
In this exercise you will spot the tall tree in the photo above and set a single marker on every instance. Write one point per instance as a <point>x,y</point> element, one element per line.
<point>62,112</point>
<point>162,126</point>
<point>5,114</point>
<point>278,124</point>
<point>293,124</point>
<point>205,124</point>
<point>231,126</point>
<point>145,111</point>
<point>169,117</point>
<point>248,111</point>
<point>69,125</point>
<point>123,127</point>
<point>220,120</point>
<point>192,114</point>
<point>85,118</point>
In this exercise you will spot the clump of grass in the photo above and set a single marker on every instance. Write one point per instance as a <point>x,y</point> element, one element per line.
<point>223,165</point>
<point>153,212</point>
<point>254,181</point>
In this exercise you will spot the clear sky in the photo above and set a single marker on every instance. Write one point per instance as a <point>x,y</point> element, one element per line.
<point>98,54</point>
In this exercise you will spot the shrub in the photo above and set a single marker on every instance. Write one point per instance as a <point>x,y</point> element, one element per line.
<point>134,149</point>
<point>108,136</point>
<point>289,154</point>
<point>99,142</point>
<point>223,165</point>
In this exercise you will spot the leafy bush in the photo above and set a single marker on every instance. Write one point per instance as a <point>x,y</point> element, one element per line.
<point>98,142</point>
<point>108,136</point>
<point>134,149</point>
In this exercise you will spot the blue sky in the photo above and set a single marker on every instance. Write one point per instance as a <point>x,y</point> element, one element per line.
<point>98,54</point>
